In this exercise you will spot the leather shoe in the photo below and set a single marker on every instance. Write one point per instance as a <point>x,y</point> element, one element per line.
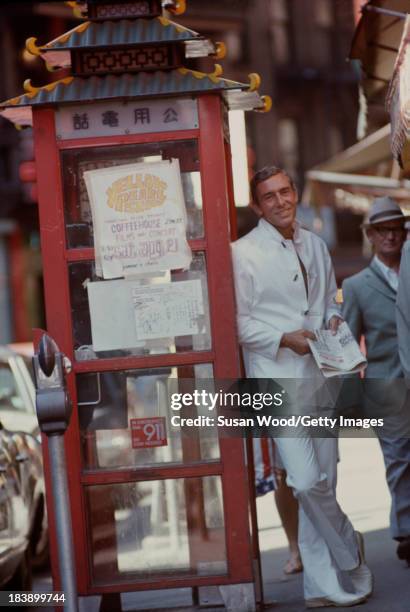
<point>342,599</point>
<point>403,550</point>
<point>361,576</point>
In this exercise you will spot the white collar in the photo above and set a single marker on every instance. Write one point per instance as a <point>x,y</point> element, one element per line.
<point>276,235</point>
<point>389,274</point>
<point>385,269</point>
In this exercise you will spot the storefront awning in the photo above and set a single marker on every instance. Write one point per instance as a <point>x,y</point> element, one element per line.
<point>398,100</point>
<point>351,169</point>
<point>376,41</point>
<point>362,155</point>
<point>357,180</point>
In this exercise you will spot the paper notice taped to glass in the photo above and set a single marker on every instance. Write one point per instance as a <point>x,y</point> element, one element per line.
<point>125,313</point>
<point>168,309</point>
<point>139,218</point>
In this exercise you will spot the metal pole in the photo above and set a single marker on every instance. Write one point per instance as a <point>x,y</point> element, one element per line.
<point>63,521</point>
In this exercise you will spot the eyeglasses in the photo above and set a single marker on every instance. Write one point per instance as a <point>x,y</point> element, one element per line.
<point>385,231</point>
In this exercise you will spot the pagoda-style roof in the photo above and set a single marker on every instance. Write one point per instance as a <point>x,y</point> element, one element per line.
<point>164,83</point>
<point>131,57</point>
<point>123,33</point>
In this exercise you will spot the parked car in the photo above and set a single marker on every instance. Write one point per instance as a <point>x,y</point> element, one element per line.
<point>23,517</point>
<point>17,391</point>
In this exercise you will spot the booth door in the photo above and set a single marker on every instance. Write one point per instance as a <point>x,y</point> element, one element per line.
<point>154,504</point>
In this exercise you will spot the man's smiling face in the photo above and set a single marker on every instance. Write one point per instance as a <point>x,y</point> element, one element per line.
<point>276,201</point>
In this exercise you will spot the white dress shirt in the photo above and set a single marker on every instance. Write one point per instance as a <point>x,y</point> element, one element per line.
<point>389,274</point>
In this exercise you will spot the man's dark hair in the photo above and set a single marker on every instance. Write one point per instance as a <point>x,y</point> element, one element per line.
<point>263,175</point>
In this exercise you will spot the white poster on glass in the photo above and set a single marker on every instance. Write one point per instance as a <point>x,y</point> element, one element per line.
<point>139,218</point>
<point>124,313</point>
<point>171,309</point>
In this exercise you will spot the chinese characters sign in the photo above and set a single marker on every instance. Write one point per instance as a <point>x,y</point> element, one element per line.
<point>117,117</point>
<point>139,218</point>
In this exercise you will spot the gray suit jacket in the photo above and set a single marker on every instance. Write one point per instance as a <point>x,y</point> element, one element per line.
<point>403,310</point>
<point>369,307</point>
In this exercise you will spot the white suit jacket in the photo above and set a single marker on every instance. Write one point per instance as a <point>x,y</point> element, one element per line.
<point>271,298</point>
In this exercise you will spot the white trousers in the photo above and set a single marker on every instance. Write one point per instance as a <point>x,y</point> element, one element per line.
<point>327,540</point>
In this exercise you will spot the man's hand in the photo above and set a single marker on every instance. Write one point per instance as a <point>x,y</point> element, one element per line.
<point>280,476</point>
<point>334,323</point>
<point>297,341</point>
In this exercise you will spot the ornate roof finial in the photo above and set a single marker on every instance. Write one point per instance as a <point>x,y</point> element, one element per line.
<point>220,50</point>
<point>218,71</point>
<point>32,47</point>
<point>76,7</point>
<point>254,80</point>
<point>178,7</point>
<point>267,104</point>
<point>27,86</point>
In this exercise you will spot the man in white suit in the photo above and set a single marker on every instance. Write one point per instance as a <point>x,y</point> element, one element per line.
<point>285,288</point>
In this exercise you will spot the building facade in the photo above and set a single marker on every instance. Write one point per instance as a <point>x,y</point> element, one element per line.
<point>300,50</point>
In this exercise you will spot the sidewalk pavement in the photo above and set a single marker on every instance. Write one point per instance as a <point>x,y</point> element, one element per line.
<point>364,496</point>
<point>392,579</point>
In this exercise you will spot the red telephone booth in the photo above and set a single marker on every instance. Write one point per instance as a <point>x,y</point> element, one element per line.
<point>150,311</point>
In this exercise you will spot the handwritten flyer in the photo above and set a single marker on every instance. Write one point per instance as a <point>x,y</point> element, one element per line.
<point>126,314</point>
<point>139,218</point>
<point>171,309</point>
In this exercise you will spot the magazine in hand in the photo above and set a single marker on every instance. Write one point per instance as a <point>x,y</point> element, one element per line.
<point>337,354</point>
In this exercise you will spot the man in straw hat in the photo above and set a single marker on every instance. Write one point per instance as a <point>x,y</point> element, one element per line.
<point>369,301</point>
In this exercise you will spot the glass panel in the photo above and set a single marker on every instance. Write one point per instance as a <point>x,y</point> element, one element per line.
<point>115,324</point>
<point>143,530</point>
<point>107,401</point>
<point>79,230</point>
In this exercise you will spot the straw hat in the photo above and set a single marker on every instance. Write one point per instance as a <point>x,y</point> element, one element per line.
<point>383,209</point>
